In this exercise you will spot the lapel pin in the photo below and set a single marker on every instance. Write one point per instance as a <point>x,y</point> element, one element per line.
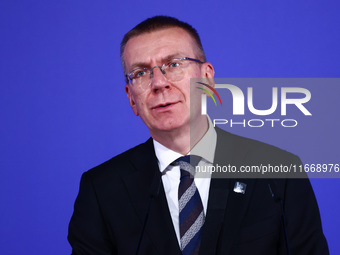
<point>240,187</point>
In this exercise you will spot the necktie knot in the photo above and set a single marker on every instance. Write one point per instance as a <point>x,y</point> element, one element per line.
<point>187,164</point>
<point>190,159</point>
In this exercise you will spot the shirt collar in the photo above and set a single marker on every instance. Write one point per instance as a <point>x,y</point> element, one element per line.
<point>205,148</point>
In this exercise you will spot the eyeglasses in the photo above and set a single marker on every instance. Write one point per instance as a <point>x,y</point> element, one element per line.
<point>173,70</point>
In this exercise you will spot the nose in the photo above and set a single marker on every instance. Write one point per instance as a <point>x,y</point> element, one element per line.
<point>158,79</point>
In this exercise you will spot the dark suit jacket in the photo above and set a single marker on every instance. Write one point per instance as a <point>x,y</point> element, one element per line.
<point>112,202</point>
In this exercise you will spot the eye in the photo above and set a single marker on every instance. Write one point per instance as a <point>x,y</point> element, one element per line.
<point>174,63</point>
<point>138,73</point>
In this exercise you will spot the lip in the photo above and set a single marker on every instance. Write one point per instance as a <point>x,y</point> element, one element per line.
<point>164,106</point>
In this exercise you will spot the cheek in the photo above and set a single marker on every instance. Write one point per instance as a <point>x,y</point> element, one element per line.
<point>141,104</point>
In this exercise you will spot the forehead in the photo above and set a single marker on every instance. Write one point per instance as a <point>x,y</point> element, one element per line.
<point>151,48</point>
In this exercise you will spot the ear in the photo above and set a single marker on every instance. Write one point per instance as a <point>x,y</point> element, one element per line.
<point>131,99</point>
<point>208,72</point>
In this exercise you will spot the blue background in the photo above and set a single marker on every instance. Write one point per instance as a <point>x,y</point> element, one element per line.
<point>64,109</point>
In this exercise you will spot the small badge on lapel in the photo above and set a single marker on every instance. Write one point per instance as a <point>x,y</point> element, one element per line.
<point>240,187</point>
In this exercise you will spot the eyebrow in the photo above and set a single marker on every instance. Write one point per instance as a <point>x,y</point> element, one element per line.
<point>144,64</point>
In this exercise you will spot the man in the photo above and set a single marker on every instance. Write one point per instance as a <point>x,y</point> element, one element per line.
<point>138,202</point>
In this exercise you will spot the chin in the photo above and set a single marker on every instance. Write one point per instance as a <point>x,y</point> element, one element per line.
<point>170,125</point>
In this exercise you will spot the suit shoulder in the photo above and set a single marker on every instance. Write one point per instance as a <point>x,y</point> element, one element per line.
<point>123,162</point>
<point>256,149</point>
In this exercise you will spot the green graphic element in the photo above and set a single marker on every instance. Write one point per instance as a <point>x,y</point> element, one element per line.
<point>212,88</point>
<point>208,94</point>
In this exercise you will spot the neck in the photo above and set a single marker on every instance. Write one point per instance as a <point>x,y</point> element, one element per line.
<point>182,139</point>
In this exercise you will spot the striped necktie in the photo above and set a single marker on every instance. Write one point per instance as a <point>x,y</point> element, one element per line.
<point>191,214</point>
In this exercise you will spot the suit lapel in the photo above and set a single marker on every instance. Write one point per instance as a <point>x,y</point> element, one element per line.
<point>226,208</point>
<point>218,196</point>
<point>142,183</point>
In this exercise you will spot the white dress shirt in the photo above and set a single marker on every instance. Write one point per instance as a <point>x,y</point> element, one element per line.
<point>205,148</point>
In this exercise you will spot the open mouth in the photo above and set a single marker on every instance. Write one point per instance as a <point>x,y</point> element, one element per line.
<point>165,105</point>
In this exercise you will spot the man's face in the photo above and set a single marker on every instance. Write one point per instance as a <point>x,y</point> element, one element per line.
<point>165,105</point>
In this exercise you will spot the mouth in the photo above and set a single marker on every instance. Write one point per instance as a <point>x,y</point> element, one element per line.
<point>164,106</point>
